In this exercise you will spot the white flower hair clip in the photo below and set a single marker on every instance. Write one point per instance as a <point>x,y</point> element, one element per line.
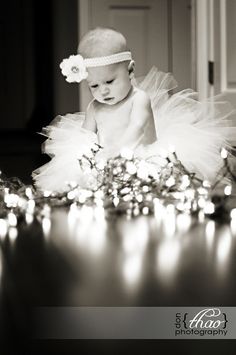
<point>74,67</point>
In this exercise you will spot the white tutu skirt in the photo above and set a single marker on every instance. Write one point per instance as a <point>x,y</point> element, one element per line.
<point>67,142</point>
<point>196,130</point>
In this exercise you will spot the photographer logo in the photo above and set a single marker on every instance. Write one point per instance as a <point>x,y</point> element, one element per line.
<point>206,322</point>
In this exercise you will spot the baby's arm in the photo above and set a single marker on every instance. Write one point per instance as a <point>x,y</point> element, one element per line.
<point>140,115</point>
<point>89,122</point>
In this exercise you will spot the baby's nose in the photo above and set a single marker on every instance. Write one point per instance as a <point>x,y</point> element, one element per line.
<point>104,90</point>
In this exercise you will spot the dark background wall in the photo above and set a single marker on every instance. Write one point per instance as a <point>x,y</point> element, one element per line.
<point>35,36</point>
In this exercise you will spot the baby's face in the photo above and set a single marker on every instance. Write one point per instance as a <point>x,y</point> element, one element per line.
<point>109,84</point>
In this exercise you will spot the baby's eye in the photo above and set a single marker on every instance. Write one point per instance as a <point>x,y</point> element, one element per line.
<point>110,81</point>
<point>94,86</point>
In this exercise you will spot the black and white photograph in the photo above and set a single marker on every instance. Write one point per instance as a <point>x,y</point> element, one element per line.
<point>118,177</point>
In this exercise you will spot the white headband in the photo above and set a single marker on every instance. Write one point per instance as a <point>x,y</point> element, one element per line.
<point>74,67</point>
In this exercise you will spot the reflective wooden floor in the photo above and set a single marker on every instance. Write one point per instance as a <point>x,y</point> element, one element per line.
<point>80,259</point>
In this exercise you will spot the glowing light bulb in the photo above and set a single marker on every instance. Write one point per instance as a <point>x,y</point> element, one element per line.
<point>224,153</point>
<point>12,220</point>
<point>170,182</point>
<point>209,208</point>
<point>185,182</point>
<point>11,200</point>
<point>47,193</point>
<point>206,184</point>
<point>201,202</point>
<point>71,195</point>
<point>116,201</point>
<point>145,211</point>
<point>233,214</point>
<point>28,192</point>
<point>228,190</point>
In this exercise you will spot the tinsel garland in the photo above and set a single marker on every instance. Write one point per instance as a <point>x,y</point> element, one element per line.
<point>125,185</point>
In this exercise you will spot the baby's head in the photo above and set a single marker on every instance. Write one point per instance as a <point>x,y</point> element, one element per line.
<point>102,42</point>
<point>109,83</point>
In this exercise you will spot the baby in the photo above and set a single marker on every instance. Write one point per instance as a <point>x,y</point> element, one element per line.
<point>124,114</point>
<point>120,113</point>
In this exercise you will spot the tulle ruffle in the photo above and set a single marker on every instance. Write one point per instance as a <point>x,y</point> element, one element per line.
<point>197,130</point>
<point>67,142</point>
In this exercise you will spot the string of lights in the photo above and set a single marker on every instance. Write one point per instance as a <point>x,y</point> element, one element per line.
<point>125,185</point>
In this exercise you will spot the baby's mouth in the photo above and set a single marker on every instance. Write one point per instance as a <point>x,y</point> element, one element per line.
<point>108,98</point>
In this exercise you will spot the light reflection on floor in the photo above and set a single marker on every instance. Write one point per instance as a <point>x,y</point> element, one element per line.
<point>88,231</point>
<point>223,251</point>
<point>127,252</point>
<point>167,259</point>
<point>1,266</point>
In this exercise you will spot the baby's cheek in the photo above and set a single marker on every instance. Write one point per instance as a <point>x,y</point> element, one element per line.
<point>94,93</point>
<point>119,90</point>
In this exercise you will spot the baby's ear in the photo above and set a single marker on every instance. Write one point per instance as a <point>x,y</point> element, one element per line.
<point>131,68</point>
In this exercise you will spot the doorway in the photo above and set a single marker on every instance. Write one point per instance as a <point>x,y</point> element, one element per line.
<point>216,48</point>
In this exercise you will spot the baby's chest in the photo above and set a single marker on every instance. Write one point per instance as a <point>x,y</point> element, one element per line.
<point>113,118</point>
